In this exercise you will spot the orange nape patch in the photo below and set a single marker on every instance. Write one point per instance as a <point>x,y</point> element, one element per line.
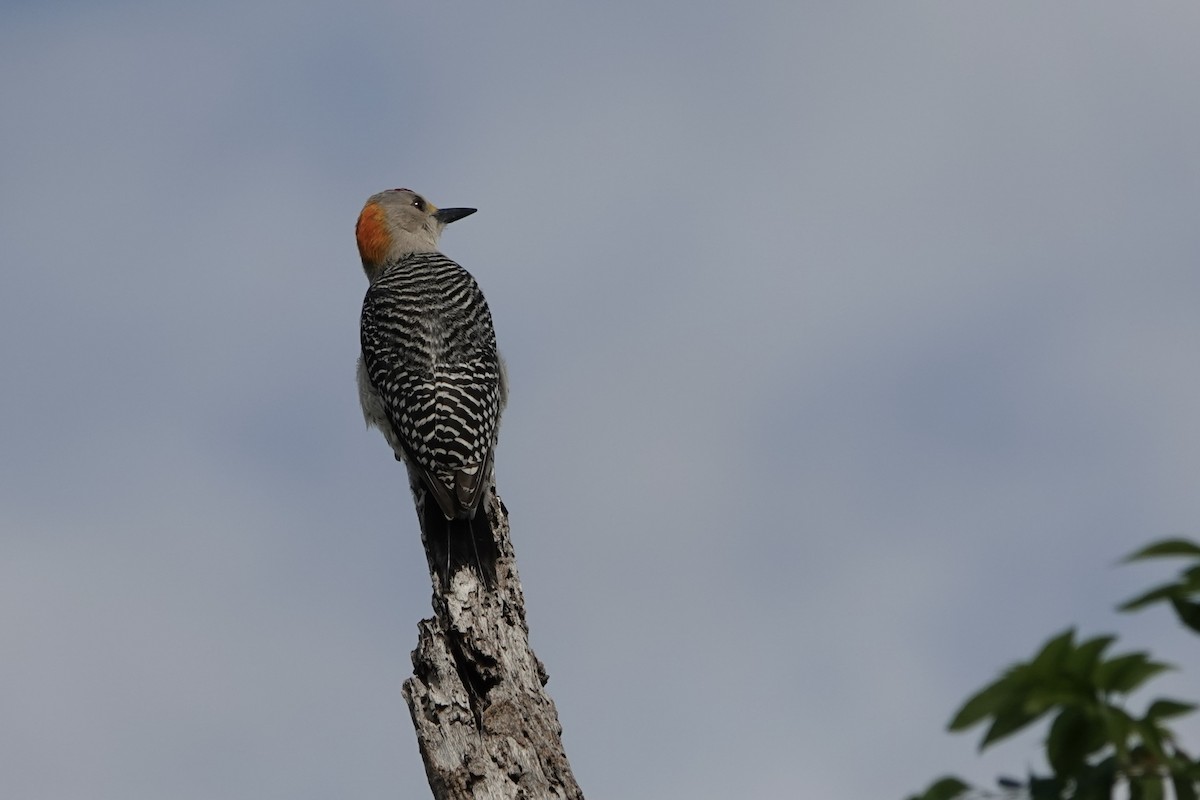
<point>372,234</point>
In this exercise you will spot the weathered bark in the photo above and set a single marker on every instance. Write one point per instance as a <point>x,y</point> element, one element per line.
<point>485,725</point>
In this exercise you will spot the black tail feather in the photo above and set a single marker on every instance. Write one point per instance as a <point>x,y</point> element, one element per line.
<point>457,543</point>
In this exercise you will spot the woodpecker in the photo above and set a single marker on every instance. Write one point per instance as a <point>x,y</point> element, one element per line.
<point>430,376</point>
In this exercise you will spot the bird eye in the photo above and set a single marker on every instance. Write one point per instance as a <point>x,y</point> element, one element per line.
<point>419,203</point>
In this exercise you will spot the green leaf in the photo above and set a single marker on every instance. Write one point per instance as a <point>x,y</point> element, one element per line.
<point>1183,767</point>
<point>1191,579</point>
<point>1074,735</point>
<point>1152,741</point>
<point>1165,548</point>
<point>1146,787</point>
<point>1118,728</point>
<point>1188,612</point>
<point>1054,654</point>
<point>1007,723</point>
<point>1096,781</point>
<point>990,700</point>
<point>1125,673</point>
<point>1185,775</point>
<point>1045,788</point>
<point>1093,791</point>
<point>1158,593</point>
<point>1185,788</point>
<point>1164,709</point>
<point>1082,662</point>
<point>945,788</point>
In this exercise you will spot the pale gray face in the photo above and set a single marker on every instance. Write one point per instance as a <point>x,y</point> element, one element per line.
<point>409,215</point>
<point>400,221</point>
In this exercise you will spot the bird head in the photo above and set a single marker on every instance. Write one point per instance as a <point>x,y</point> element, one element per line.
<point>398,222</point>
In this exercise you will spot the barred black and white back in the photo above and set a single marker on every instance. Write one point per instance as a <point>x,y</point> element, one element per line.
<point>431,377</point>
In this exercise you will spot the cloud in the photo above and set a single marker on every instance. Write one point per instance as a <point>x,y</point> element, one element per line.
<point>849,348</point>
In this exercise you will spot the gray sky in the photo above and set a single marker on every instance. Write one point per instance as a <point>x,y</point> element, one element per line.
<point>850,346</point>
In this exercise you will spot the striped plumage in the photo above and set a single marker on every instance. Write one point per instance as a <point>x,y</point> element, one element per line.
<point>429,352</point>
<point>430,377</point>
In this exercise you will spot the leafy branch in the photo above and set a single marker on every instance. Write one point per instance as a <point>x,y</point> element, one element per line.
<point>1094,743</point>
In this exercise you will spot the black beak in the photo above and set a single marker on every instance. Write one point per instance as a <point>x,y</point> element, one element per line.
<point>448,215</point>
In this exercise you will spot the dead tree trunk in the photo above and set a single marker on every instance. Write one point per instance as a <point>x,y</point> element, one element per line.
<point>485,725</point>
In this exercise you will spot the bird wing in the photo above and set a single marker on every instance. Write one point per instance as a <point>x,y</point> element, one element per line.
<point>429,351</point>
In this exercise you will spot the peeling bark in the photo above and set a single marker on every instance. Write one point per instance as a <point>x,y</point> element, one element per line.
<point>486,728</point>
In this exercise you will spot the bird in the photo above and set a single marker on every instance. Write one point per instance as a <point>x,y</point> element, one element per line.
<point>430,375</point>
